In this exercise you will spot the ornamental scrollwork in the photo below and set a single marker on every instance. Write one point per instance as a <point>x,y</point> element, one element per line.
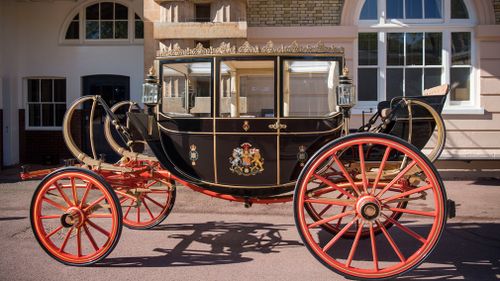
<point>247,48</point>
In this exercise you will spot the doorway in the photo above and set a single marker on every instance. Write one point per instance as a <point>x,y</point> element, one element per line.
<point>113,89</point>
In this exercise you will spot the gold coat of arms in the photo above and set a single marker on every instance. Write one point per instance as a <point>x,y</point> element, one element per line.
<point>246,160</point>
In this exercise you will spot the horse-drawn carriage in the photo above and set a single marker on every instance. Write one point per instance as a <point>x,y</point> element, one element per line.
<point>256,125</point>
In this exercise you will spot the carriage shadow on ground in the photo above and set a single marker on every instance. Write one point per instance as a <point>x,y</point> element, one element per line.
<point>469,251</point>
<point>227,243</point>
<point>466,250</point>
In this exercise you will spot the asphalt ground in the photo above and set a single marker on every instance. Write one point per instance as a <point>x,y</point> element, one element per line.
<point>210,239</point>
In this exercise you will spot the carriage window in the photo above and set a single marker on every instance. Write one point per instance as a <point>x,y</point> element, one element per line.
<point>309,88</point>
<point>247,88</point>
<point>186,89</point>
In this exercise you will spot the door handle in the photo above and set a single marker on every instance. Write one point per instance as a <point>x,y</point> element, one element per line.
<point>277,125</point>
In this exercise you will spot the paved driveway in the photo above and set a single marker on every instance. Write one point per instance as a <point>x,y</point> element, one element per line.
<point>209,239</point>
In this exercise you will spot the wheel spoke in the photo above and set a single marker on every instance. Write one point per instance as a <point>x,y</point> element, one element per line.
<point>147,209</point>
<point>91,238</point>
<point>73,188</point>
<point>99,216</point>
<point>150,184</point>
<point>381,169</point>
<point>331,201</point>
<point>326,220</point>
<point>402,173</point>
<point>325,209</point>
<point>79,241</point>
<point>413,212</point>
<point>340,219</point>
<point>138,212</point>
<point>363,167</point>
<point>84,197</point>
<point>155,202</point>
<point>94,203</point>
<point>54,231</point>
<point>128,210</point>
<point>407,193</point>
<point>66,238</point>
<point>355,244</point>
<point>406,229</point>
<point>391,241</point>
<point>50,217</point>
<point>54,204</point>
<point>345,173</point>
<point>63,195</point>
<point>333,185</point>
<point>374,247</point>
<point>338,235</point>
<point>98,228</point>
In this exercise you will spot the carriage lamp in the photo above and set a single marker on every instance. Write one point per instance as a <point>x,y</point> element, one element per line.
<point>346,98</point>
<point>150,89</point>
<point>346,93</point>
<point>150,97</point>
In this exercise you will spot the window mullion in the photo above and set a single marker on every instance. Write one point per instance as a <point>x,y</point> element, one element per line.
<point>446,53</point>
<point>382,62</point>
<point>424,43</point>
<point>404,63</point>
<point>382,11</point>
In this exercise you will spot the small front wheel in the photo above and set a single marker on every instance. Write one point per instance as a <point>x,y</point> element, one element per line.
<point>76,216</point>
<point>374,175</point>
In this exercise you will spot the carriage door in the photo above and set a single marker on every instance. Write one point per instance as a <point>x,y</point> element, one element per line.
<point>246,132</point>
<point>308,109</point>
<point>185,118</point>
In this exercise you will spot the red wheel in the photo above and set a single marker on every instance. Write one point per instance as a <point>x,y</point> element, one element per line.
<point>75,216</point>
<point>149,205</point>
<point>372,191</point>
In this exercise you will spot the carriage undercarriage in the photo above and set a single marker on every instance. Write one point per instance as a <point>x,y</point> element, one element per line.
<point>369,192</point>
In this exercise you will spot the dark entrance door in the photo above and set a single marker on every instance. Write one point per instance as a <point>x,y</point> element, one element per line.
<point>113,89</point>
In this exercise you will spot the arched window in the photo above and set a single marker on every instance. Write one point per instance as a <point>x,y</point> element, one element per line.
<point>406,46</point>
<point>104,20</point>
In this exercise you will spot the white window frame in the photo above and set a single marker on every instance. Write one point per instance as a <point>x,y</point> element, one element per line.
<point>445,26</point>
<point>27,103</point>
<point>81,11</point>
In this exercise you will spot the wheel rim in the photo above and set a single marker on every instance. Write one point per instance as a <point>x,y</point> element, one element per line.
<point>146,208</point>
<point>75,218</point>
<point>368,259</point>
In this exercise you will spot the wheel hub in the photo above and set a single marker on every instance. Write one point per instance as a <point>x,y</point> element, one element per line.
<point>368,207</point>
<point>73,217</point>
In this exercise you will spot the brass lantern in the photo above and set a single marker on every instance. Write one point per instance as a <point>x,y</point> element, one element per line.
<point>151,89</point>
<point>346,92</point>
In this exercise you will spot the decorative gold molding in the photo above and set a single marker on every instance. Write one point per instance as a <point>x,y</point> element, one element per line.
<point>247,48</point>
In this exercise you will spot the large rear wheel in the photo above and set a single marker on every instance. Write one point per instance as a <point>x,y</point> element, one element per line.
<point>373,186</point>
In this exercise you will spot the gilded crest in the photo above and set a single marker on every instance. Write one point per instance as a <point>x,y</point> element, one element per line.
<point>193,154</point>
<point>302,155</point>
<point>246,160</point>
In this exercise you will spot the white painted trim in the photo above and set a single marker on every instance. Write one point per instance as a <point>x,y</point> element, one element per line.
<point>463,110</point>
<point>81,10</point>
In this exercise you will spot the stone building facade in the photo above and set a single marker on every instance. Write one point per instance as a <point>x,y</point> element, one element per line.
<point>294,12</point>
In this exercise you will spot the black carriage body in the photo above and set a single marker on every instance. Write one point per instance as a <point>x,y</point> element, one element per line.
<point>246,155</point>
